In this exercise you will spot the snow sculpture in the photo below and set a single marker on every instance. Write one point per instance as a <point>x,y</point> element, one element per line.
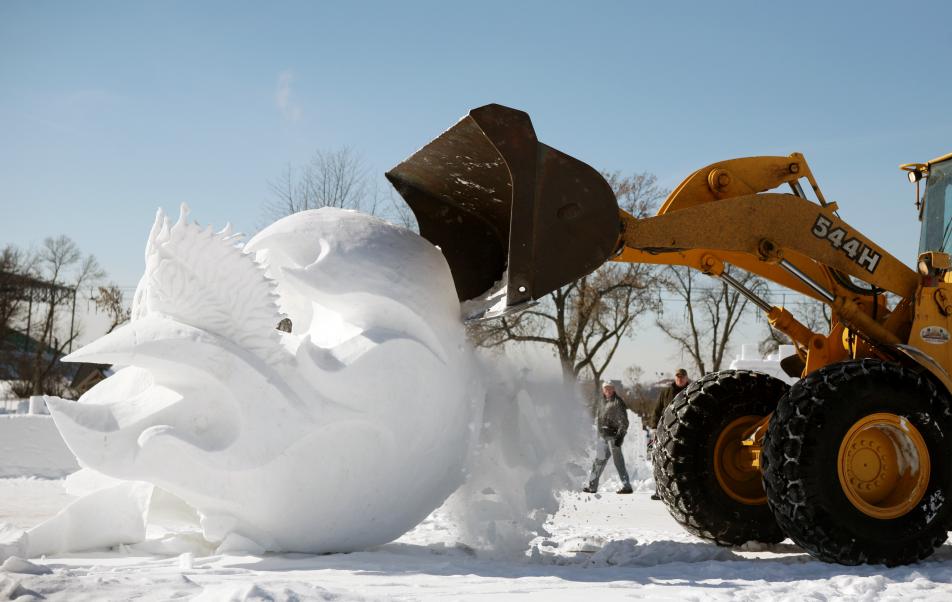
<point>338,435</point>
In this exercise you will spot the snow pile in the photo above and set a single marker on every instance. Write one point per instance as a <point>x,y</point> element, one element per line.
<point>531,446</point>
<point>31,446</point>
<point>536,442</point>
<point>597,551</point>
<point>341,434</point>
<point>15,564</point>
<point>86,526</point>
<point>630,552</point>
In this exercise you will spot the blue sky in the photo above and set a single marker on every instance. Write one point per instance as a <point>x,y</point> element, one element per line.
<point>109,110</point>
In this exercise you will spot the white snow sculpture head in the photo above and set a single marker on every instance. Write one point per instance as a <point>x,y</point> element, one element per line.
<point>342,434</point>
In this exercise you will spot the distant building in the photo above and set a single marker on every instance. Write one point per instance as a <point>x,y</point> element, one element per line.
<point>87,376</point>
<point>17,352</point>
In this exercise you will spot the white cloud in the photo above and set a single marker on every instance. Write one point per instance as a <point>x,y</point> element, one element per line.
<point>283,97</point>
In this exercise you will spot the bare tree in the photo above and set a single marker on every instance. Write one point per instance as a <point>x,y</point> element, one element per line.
<point>585,321</point>
<point>14,266</point>
<point>642,398</point>
<point>399,212</point>
<point>711,314</point>
<point>334,178</point>
<point>633,375</point>
<point>109,299</point>
<point>65,269</point>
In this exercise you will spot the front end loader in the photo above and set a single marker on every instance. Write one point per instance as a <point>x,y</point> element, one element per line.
<point>854,461</point>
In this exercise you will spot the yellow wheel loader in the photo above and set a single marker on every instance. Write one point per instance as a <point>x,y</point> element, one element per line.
<point>854,461</point>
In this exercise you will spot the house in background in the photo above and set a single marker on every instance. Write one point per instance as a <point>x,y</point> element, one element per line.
<point>87,376</point>
<point>17,354</point>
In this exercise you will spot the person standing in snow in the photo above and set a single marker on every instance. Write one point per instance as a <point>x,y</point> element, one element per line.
<point>664,400</point>
<point>669,393</point>
<point>611,420</point>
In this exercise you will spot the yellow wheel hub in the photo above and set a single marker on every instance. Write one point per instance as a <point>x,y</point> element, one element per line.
<point>883,465</point>
<point>735,467</point>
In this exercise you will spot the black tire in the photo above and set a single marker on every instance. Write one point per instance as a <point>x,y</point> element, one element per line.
<point>684,456</point>
<point>801,463</point>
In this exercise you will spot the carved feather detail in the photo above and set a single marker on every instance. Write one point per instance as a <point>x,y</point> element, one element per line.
<point>201,278</point>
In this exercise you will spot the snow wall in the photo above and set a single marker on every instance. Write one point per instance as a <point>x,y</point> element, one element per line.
<point>30,446</point>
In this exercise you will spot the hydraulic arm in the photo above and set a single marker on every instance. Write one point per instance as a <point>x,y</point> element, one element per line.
<point>784,238</point>
<point>517,219</point>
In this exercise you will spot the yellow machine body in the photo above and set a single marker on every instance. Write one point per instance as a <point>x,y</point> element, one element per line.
<point>522,219</point>
<point>758,231</point>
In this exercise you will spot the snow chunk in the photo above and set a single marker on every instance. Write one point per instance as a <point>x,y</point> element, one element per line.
<point>15,564</point>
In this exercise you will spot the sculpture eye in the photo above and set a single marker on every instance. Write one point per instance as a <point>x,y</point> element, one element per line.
<point>284,325</point>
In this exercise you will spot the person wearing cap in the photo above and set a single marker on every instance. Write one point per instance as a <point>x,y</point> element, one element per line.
<point>611,420</point>
<point>664,400</point>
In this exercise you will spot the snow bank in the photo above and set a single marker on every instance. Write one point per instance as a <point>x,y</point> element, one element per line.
<point>341,434</point>
<point>30,445</point>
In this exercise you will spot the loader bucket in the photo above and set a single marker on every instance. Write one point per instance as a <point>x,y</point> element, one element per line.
<point>515,219</point>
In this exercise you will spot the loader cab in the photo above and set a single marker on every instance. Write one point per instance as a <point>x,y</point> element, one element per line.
<point>936,213</point>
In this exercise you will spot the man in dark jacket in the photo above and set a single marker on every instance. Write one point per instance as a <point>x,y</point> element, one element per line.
<point>611,420</point>
<point>665,398</point>
<point>668,394</point>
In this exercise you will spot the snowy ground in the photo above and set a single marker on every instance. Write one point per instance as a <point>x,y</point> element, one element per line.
<point>601,547</point>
